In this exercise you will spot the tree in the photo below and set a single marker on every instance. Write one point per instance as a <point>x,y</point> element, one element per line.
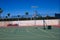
<point>27,14</point>
<point>18,16</point>
<point>6,17</point>
<point>8,14</point>
<point>1,12</point>
<point>47,16</point>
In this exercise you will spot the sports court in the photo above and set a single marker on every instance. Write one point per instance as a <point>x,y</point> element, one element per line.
<point>29,33</point>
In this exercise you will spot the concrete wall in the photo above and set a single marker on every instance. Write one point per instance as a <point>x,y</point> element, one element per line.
<point>53,22</point>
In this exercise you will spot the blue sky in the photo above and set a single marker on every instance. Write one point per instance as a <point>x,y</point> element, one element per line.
<point>19,7</point>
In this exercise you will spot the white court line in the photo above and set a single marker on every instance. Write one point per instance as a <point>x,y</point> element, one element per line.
<point>52,36</point>
<point>37,34</point>
<point>55,33</point>
<point>48,33</point>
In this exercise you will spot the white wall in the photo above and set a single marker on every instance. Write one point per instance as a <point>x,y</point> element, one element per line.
<point>31,22</point>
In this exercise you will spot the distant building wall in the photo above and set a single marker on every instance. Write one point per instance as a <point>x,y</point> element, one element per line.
<point>57,15</point>
<point>53,22</point>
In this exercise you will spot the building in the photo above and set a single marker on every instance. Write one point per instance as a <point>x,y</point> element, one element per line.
<point>57,15</point>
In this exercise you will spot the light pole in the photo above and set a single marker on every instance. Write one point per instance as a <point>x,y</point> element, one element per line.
<point>35,14</point>
<point>44,23</point>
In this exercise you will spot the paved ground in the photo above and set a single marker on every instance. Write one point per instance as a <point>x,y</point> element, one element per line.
<point>29,33</point>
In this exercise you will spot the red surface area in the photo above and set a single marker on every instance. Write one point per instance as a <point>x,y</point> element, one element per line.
<point>12,25</point>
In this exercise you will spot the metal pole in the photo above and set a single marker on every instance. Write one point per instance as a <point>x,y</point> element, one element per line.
<point>35,17</point>
<point>44,24</point>
<point>35,21</point>
<point>35,14</point>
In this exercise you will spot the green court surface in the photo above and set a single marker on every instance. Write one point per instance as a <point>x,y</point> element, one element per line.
<point>29,33</point>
